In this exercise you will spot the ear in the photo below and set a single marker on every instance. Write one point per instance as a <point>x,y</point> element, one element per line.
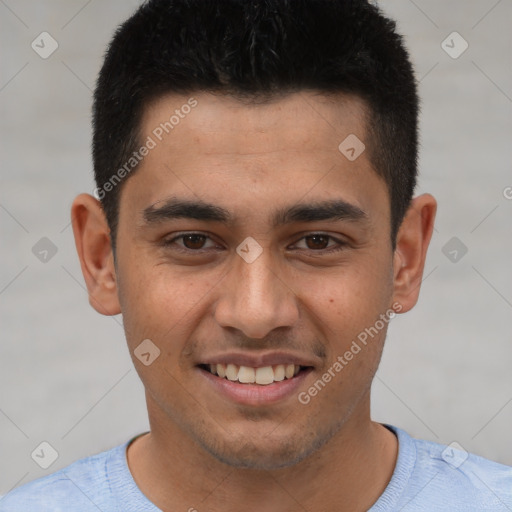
<point>412,243</point>
<point>92,239</point>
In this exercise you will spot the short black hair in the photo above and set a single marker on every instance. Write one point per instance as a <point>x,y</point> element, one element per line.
<point>254,49</point>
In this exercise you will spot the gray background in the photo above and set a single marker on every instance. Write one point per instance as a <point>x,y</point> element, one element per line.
<point>65,373</point>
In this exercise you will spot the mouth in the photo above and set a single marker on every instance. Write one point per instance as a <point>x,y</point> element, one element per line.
<point>262,376</point>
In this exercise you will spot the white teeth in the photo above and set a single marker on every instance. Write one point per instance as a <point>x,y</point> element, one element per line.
<point>232,372</point>
<point>247,375</point>
<point>221,370</point>
<point>289,371</point>
<point>279,372</point>
<point>264,375</point>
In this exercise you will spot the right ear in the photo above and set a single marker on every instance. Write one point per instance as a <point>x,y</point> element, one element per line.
<point>92,239</point>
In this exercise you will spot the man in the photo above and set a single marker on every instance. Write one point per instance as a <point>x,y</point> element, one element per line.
<point>254,222</point>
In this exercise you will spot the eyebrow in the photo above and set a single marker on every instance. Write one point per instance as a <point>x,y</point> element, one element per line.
<point>330,210</point>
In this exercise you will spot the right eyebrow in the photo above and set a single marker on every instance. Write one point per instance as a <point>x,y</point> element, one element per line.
<point>182,208</point>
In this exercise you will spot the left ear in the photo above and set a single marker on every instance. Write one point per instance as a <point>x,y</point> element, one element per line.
<point>412,243</point>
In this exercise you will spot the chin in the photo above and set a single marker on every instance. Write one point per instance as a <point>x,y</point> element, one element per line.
<point>266,452</point>
<point>253,456</point>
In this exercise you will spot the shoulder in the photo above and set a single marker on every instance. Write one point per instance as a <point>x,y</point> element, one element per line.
<point>474,479</point>
<point>455,462</point>
<point>439,477</point>
<point>82,487</point>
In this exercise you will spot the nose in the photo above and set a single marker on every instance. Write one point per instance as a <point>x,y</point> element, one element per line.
<point>255,299</point>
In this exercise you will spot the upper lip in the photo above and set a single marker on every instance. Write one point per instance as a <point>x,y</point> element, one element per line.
<point>260,360</point>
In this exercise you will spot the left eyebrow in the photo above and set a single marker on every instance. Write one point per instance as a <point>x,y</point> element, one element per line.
<point>330,210</point>
<point>333,210</point>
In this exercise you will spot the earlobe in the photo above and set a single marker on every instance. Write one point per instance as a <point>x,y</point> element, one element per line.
<point>92,240</point>
<point>411,250</point>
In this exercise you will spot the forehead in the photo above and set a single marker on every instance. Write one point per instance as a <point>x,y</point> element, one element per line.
<point>251,155</point>
<point>224,124</point>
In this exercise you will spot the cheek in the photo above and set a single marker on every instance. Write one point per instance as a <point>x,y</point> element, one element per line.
<point>157,302</point>
<point>344,309</point>
<point>162,307</point>
<point>349,296</point>
<point>346,312</point>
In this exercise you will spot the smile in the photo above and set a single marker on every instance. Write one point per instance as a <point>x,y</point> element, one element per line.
<point>247,375</point>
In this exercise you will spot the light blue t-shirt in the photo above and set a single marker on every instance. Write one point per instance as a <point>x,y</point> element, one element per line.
<point>428,477</point>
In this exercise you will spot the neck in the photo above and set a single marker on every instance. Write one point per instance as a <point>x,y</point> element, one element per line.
<point>348,473</point>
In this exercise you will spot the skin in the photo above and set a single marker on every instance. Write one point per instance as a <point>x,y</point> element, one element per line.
<point>203,450</point>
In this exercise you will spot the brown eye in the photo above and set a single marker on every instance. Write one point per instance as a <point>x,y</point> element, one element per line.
<point>191,243</point>
<point>317,241</point>
<point>194,241</point>
<point>320,244</point>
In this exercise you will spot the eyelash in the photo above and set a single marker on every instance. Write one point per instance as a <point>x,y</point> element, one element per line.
<point>341,245</point>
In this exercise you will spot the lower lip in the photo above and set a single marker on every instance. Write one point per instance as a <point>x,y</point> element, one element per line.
<point>256,394</point>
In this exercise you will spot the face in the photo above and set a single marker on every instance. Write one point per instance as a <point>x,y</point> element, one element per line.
<point>249,244</point>
<point>266,275</point>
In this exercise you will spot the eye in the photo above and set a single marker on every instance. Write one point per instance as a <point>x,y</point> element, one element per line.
<point>190,242</point>
<point>199,242</point>
<point>321,242</point>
